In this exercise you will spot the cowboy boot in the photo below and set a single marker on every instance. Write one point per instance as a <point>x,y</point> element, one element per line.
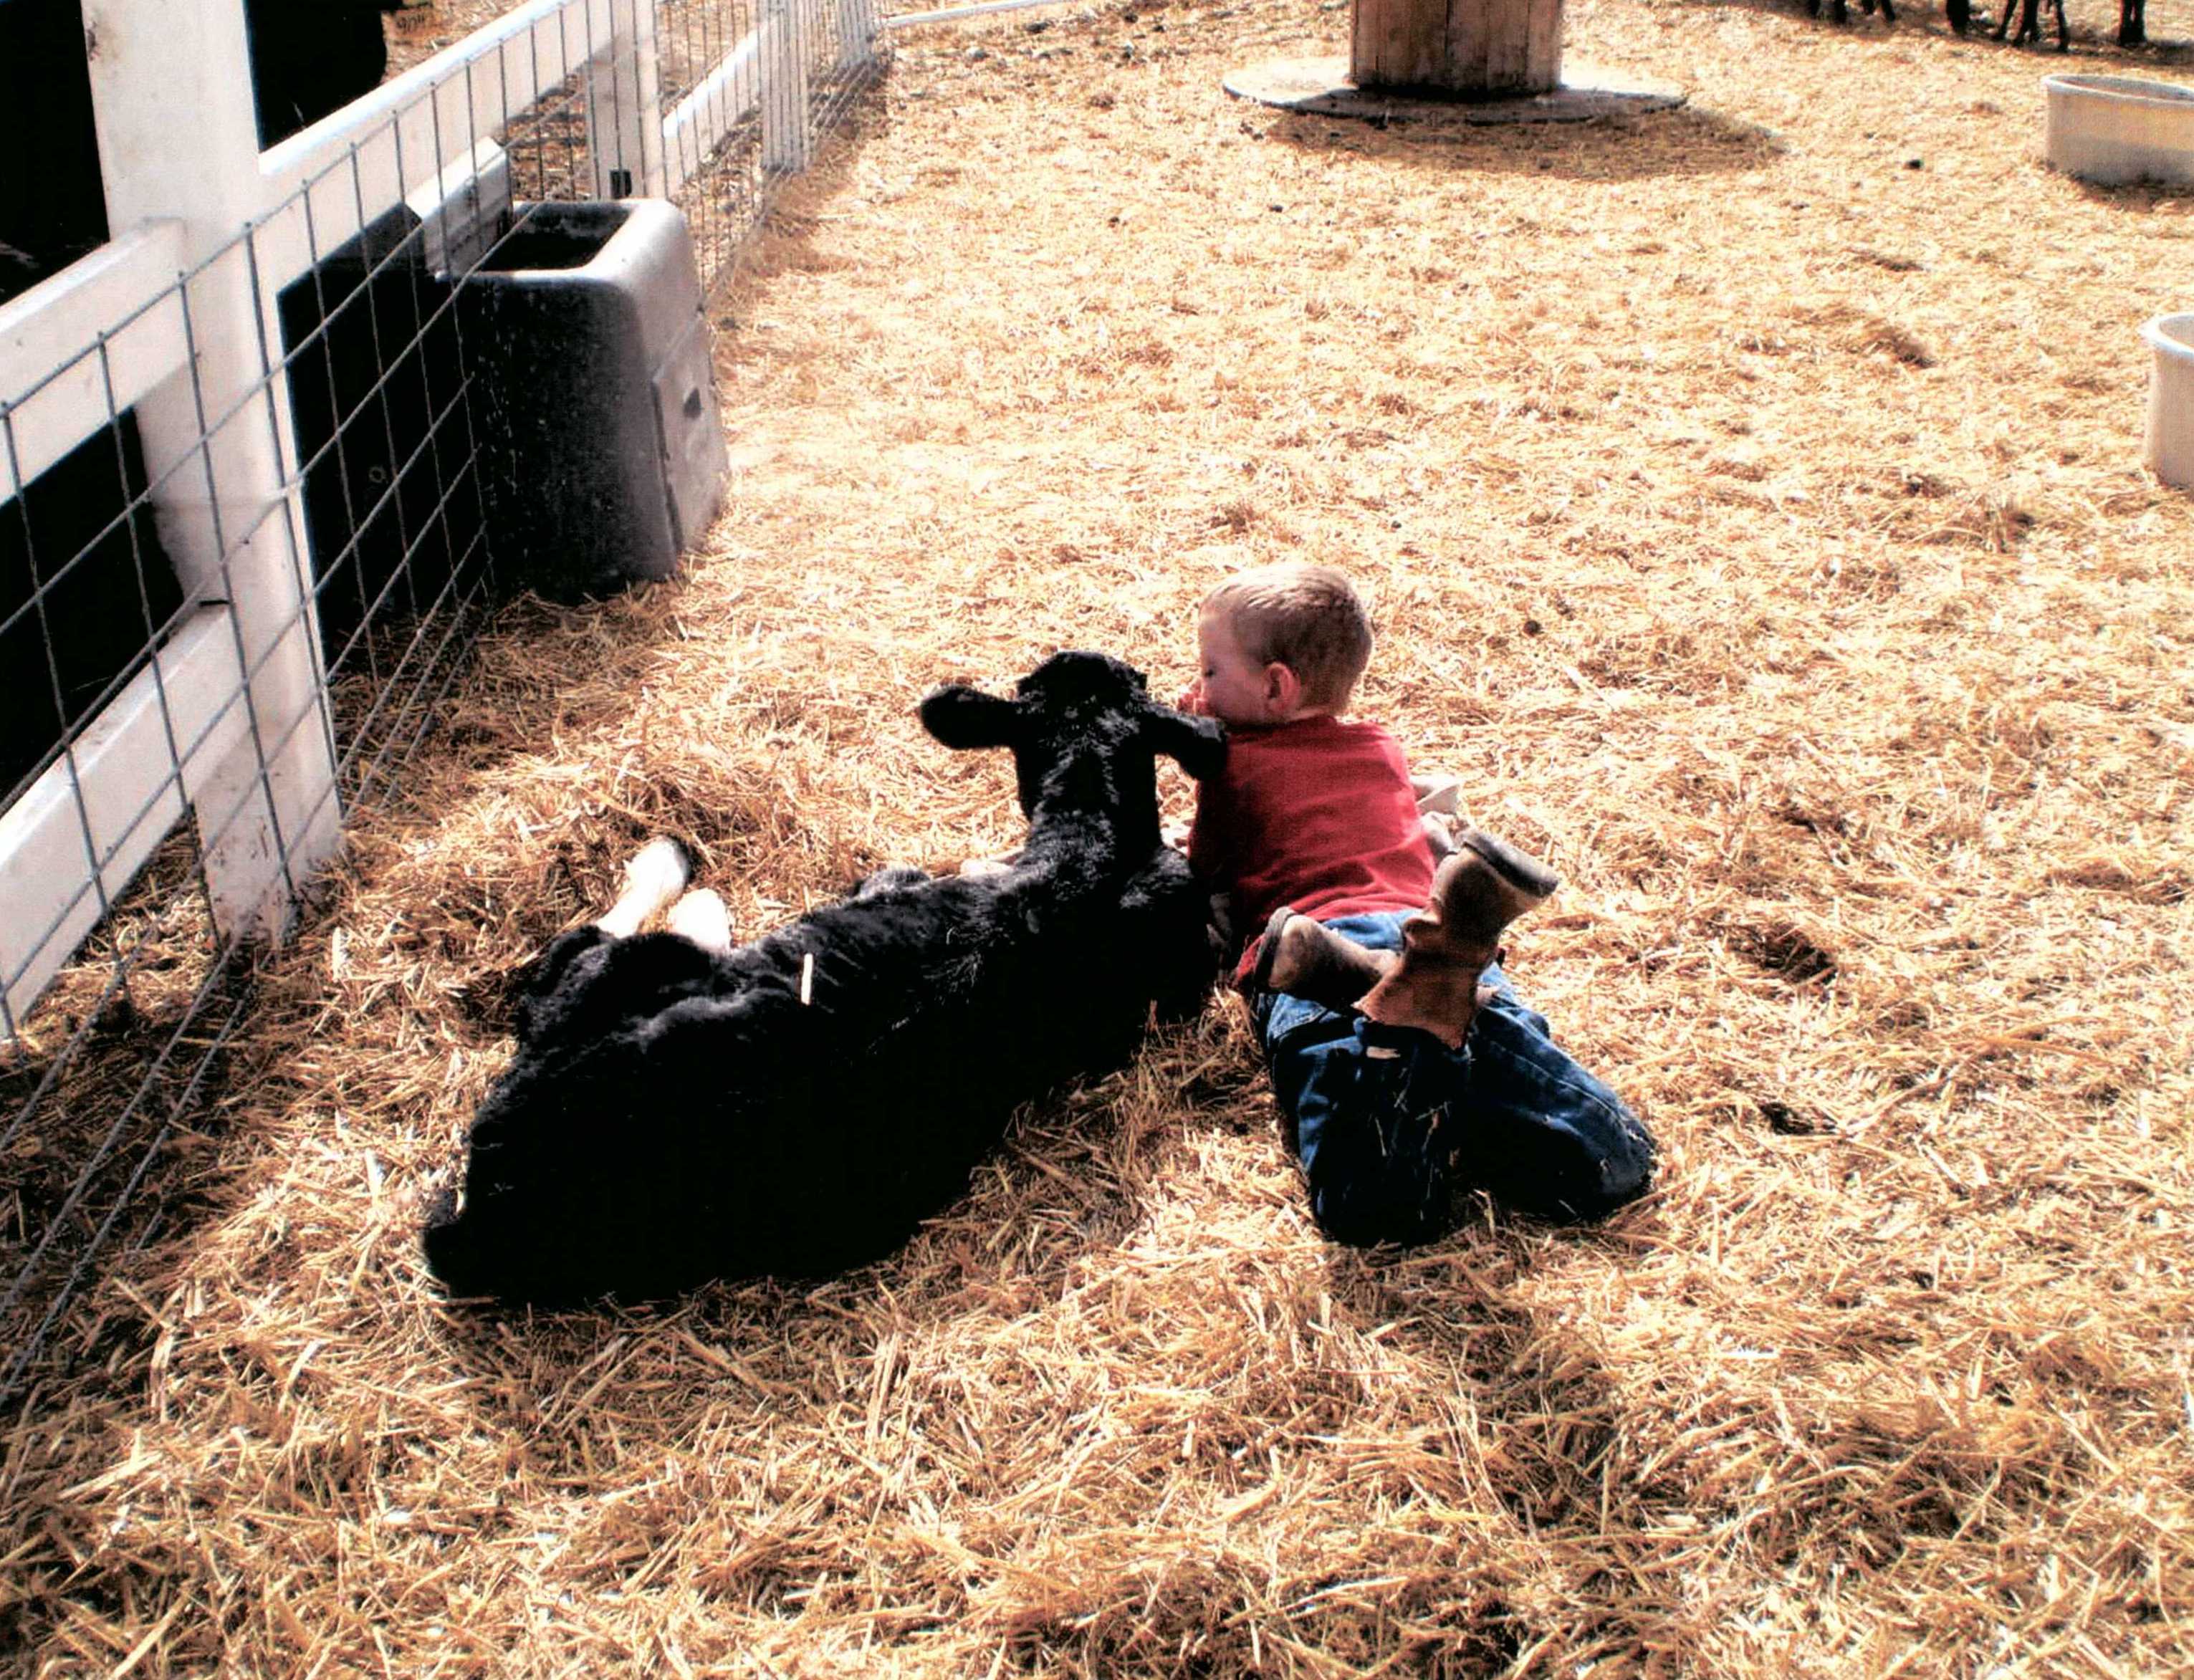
<point>1478,891</point>
<point>1305,959</point>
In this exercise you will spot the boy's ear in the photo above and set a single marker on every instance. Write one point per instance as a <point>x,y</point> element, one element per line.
<point>961,716</point>
<point>1197,744</point>
<point>1283,689</point>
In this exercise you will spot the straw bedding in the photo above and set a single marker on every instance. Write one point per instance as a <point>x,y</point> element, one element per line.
<point>1751,501</point>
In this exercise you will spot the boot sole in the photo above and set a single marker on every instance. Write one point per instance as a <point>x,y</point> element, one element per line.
<point>1522,871</point>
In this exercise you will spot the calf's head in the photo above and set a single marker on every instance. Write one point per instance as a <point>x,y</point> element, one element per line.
<point>1085,737</point>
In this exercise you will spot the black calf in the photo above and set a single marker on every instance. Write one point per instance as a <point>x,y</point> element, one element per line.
<point>797,1105</point>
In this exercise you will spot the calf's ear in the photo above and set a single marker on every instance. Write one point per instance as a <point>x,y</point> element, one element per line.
<point>1198,743</point>
<point>961,716</point>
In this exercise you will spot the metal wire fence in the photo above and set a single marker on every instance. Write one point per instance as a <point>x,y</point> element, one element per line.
<point>748,89</point>
<point>263,472</point>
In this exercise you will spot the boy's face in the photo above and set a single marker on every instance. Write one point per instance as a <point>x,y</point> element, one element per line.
<point>1234,687</point>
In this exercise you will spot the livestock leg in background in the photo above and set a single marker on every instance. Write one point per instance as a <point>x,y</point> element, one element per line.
<point>311,58</point>
<point>1840,11</point>
<point>680,1109</point>
<point>2029,23</point>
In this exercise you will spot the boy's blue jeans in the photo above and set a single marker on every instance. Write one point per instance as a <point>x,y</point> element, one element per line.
<point>1388,1120</point>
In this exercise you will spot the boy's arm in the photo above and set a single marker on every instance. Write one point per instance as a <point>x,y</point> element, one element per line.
<point>1209,852</point>
<point>1208,861</point>
<point>1182,836</point>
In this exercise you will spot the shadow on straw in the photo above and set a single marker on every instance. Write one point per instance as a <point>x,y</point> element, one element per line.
<point>1684,141</point>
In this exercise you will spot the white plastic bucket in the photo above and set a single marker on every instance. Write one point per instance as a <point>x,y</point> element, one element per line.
<point>2171,398</point>
<point>2112,129</point>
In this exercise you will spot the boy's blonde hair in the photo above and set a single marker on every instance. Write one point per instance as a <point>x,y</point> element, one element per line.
<point>1305,616</point>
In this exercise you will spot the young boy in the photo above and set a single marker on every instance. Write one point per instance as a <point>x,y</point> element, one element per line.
<point>1397,1048</point>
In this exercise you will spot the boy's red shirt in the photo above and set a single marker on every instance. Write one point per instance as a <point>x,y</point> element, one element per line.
<point>1317,815</point>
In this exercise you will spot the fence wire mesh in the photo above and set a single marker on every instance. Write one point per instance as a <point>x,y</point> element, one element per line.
<point>249,529</point>
<point>748,87</point>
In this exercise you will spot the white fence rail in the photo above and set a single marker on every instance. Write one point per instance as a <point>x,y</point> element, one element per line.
<point>119,311</point>
<point>116,800</point>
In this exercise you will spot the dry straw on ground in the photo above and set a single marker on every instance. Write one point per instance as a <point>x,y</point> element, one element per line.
<point>1752,501</point>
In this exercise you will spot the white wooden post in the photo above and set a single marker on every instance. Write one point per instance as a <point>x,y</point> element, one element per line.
<point>218,435</point>
<point>858,29</point>
<point>624,119</point>
<point>785,88</point>
<point>726,97</point>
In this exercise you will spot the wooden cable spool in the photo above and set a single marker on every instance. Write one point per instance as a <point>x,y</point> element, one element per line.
<point>1459,48</point>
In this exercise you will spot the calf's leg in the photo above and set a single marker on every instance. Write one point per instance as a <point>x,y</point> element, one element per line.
<point>657,873</point>
<point>701,916</point>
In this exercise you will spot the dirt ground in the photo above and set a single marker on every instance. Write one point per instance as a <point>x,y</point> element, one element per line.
<point>1752,504</point>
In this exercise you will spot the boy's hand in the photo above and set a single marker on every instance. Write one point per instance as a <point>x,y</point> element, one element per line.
<point>1192,698</point>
